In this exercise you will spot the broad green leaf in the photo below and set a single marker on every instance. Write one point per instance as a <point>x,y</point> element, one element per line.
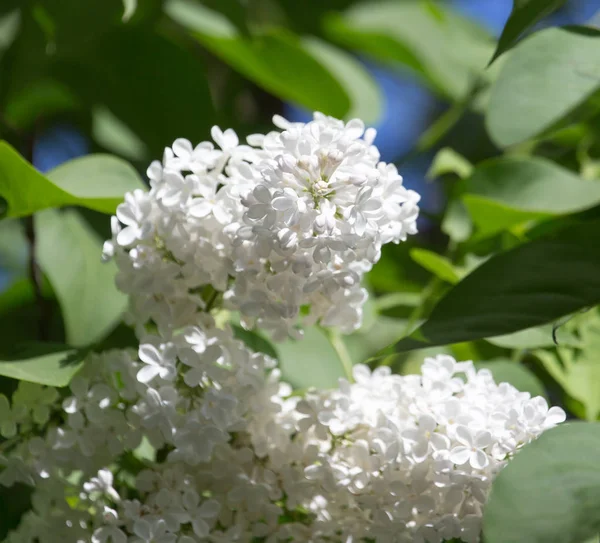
<point>524,15</point>
<point>530,285</point>
<point>69,253</point>
<point>46,364</point>
<point>550,492</point>
<point>310,362</point>
<point>439,265</point>
<point>447,161</point>
<point>100,181</point>
<point>273,59</point>
<point>535,338</point>
<point>96,181</point>
<point>545,78</point>
<point>509,371</point>
<point>362,90</point>
<point>445,49</point>
<point>505,192</point>
<point>491,217</point>
<point>533,184</point>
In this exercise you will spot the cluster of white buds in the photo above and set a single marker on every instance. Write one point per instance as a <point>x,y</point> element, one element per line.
<point>192,437</point>
<point>292,220</point>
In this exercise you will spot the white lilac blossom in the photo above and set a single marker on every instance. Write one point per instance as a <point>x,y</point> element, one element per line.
<point>237,458</point>
<point>191,437</point>
<point>292,220</point>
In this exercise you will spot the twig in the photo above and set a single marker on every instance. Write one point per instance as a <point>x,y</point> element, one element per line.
<point>35,275</point>
<point>340,348</point>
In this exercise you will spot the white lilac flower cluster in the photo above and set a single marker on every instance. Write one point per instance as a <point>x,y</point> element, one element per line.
<point>292,220</point>
<point>387,458</point>
<point>192,437</point>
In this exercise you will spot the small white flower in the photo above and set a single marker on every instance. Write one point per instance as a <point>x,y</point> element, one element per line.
<point>102,484</point>
<point>160,362</point>
<point>471,448</point>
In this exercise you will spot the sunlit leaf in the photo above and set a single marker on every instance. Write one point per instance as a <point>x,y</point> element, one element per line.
<point>509,191</point>
<point>274,59</point>
<point>524,15</point>
<point>439,265</point>
<point>447,161</point>
<point>535,338</point>
<point>46,364</point>
<point>96,181</point>
<point>447,50</point>
<point>69,253</point>
<point>363,91</point>
<point>550,492</point>
<point>545,78</point>
<point>310,362</point>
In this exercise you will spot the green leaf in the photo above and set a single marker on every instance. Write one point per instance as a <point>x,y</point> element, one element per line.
<point>508,191</point>
<point>46,364</point>
<point>96,181</point>
<point>447,161</point>
<point>532,284</point>
<point>509,371</point>
<point>533,184</point>
<point>69,253</point>
<point>524,15</point>
<point>274,60</point>
<point>544,79</point>
<point>550,492</point>
<point>447,50</point>
<point>100,181</point>
<point>364,93</point>
<point>492,217</point>
<point>254,341</point>
<point>310,362</point>
<point>535,338</point>
<point>438,265</point>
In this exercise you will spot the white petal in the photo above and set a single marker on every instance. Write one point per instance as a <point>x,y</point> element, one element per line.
<point>460,455</point>
<point>150,354</point>
<point>479,459</point>
<point>147,373</point>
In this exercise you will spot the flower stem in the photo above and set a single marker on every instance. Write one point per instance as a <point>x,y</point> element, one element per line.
<point>337,342</point>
